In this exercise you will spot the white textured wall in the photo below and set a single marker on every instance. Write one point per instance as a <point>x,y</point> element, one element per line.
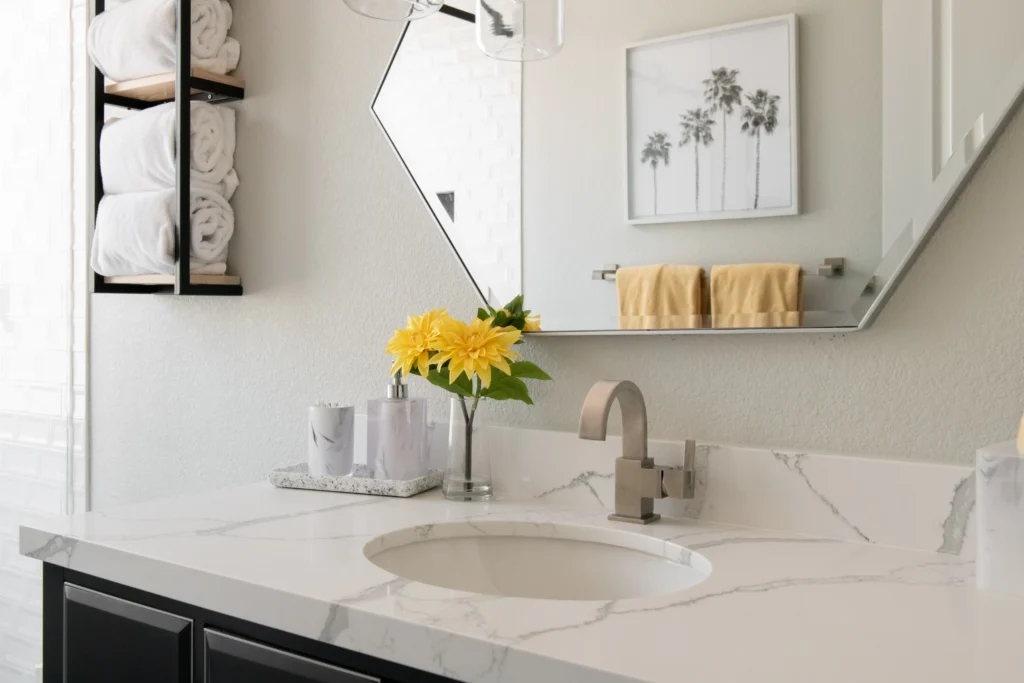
<point>336,249</point>
<point>42,321</point>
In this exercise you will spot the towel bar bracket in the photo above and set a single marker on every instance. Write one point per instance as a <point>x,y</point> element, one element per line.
<point>607,272</point>
<point>833,267</point>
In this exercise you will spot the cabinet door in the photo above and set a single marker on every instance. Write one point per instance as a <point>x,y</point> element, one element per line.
<point>230,659</point>
<point>109,640</point>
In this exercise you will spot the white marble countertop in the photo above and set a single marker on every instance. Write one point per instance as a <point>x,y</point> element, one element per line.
<point>777,607</point>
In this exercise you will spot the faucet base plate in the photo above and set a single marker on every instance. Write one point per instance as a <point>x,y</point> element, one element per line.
<point>635,520</point>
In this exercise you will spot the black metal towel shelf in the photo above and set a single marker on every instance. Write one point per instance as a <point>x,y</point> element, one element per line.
<point>182,87</point>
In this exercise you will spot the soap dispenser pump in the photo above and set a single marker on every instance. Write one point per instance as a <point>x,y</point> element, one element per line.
<point>396,437</point>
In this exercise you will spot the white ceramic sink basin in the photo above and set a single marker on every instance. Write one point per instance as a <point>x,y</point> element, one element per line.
<point>546,561</point>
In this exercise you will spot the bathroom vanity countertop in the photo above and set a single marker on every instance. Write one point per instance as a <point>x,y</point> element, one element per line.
<point>777,607</point>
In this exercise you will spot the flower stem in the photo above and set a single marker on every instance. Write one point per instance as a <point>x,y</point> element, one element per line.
<point>469,414</point>
<point>468,445</point>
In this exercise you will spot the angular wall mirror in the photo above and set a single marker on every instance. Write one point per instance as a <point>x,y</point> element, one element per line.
<point>834,140</point>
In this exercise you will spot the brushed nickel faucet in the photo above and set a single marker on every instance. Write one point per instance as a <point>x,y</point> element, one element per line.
<point>638,481</point>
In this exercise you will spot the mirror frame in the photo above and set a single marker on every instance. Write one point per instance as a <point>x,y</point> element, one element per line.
<point>946,189</point>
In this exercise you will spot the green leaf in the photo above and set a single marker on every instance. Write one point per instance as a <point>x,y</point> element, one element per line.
<point>505,388</point>
<point>494,394</point>
<point>440,378</point>
<point>527,370</point>
<point>464,383</point>
<point>515,307</point>
<point>501,319</point>
<point>483,314</point>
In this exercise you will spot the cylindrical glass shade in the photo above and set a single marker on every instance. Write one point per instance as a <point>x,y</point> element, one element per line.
<point>520,30</point>
<point>395,10</point>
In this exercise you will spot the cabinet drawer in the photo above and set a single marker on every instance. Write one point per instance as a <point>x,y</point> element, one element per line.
<point>230,659</point>
<point>110,640</point>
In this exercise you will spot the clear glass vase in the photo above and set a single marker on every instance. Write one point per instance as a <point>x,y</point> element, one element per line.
<point>520,30</point>
<point>395,10</point>
<point>467,474</point>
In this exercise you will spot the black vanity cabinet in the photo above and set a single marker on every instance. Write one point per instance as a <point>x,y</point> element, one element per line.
<point>96,631</point>
<point>230,659</point>
<point>116,641</point>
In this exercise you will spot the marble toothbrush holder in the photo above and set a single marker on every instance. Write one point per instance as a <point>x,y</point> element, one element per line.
<point>331,440</point>
<point>1000,519</point>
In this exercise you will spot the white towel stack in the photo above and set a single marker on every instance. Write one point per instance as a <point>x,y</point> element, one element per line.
<point>137,38</point>
<point>136,220</point>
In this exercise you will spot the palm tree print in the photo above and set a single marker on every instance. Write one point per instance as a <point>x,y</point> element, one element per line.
<point>656,151</point>
<point>723,93</point>
<point>761,113</point>
<point>697,125</point>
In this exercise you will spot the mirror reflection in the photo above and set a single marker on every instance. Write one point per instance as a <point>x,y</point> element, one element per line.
<point>692,168</point>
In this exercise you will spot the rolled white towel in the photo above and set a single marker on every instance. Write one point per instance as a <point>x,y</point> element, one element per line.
<point>137,153</point>
<point>137,38</point>
<point>135,233</point>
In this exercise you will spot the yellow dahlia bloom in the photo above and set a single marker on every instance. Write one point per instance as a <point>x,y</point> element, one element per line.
<point>475,348</point>
<point>414,344</point>
<point>532,324</point>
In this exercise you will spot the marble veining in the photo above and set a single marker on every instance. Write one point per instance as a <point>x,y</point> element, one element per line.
<point>52,548</point>
<point>961,508</point>
<point>581,481</point>
<point>909,505</point>
<point>777,606</point>
<point>793,463</point>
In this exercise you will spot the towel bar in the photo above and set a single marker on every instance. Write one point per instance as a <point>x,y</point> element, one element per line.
<point>832,268</point>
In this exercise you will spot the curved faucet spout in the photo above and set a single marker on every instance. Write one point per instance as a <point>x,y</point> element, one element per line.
<point>598,406</point>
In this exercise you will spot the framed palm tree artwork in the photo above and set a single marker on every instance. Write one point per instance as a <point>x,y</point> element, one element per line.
<point>711,124</point>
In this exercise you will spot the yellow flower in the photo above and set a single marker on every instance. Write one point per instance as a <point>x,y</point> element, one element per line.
<point>413,345</point>
<point>532,324</point>
<point>475,348</point>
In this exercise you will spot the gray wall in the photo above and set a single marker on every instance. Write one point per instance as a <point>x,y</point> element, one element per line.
<point>336,249</point>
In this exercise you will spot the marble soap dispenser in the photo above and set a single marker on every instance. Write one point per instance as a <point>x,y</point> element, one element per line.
<point>396,438</point>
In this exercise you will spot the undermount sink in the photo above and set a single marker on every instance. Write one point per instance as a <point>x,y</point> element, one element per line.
<point>544,561</point>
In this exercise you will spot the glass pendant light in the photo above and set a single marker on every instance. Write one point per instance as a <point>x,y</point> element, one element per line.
<point>520,30</point>
<point>395,10</point>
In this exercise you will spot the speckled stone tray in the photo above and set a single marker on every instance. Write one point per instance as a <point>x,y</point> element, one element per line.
<point>298,477</point>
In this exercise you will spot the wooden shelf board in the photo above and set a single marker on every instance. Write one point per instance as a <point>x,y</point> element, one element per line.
<point>161,86</point>
<point>196,279</point>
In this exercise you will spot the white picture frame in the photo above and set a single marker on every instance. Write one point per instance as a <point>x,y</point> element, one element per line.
<point>759,175</point>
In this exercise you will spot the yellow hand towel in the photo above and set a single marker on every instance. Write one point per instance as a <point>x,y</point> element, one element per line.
<point>1020,438</point>
<point>756,295</point>
<point>662,297</point>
